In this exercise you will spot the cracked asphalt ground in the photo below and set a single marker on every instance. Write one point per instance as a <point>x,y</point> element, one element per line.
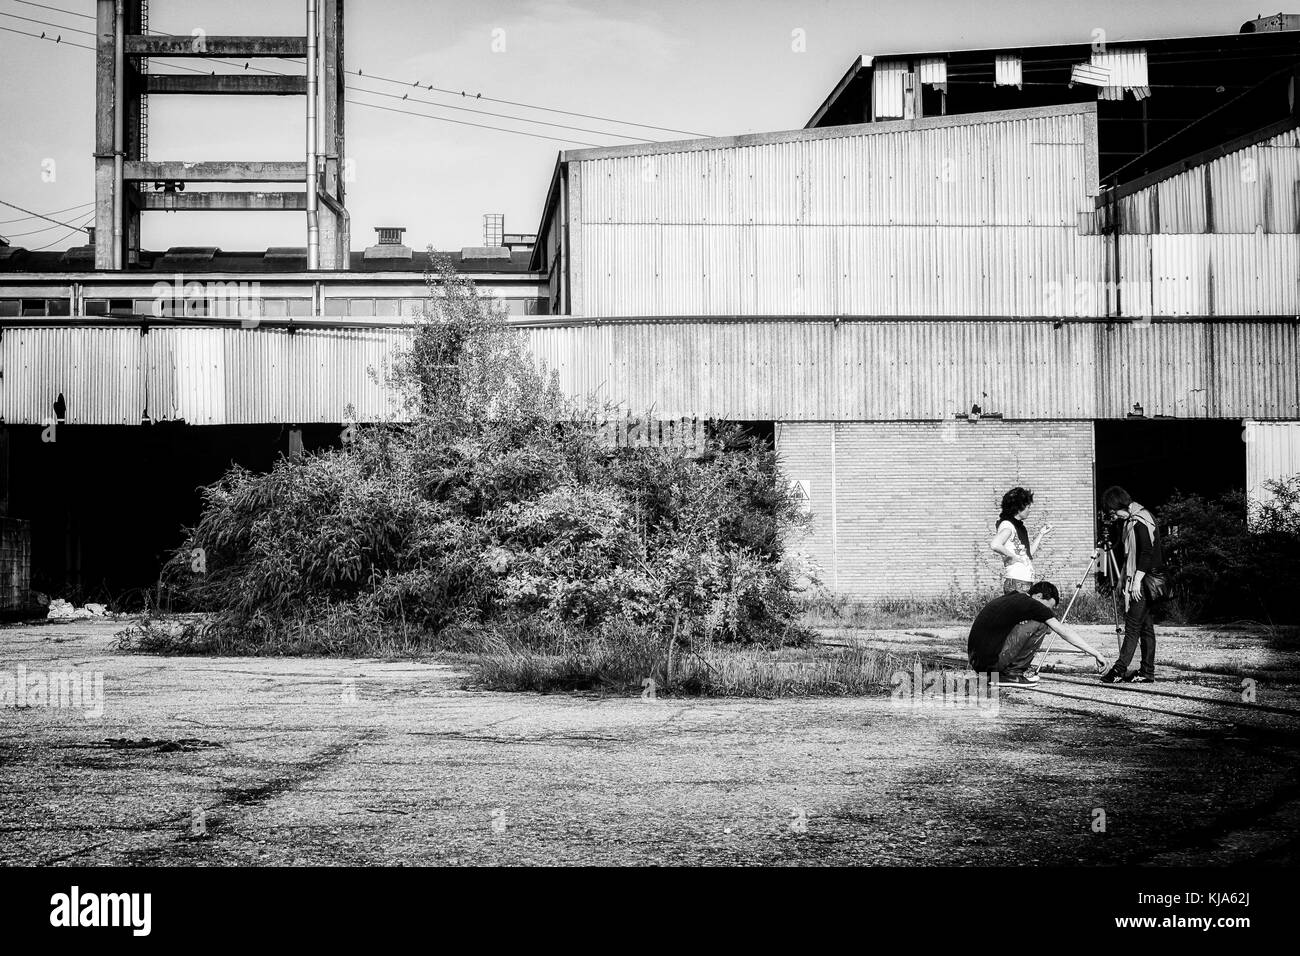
<point>278,761</point>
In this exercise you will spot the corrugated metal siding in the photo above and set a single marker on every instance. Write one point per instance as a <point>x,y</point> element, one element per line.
<point>1212,275</point>
<point>99,372</point>
<point>815,371</point>
<point>932,70</point>
<point>1272,452</point>
<point>1253,188</point>
<point>1219,239</point>
<point>1007,70</point>
<point>1128,70</point>
<point>871,222</point>
<point>887,88</point>
<point>203,376</point>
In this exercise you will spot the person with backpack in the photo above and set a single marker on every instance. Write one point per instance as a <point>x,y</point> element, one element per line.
<point>1142,583</point>
<point>1012,542</point>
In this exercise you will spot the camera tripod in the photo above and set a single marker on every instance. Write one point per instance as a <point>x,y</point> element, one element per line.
<point>1104,552</point>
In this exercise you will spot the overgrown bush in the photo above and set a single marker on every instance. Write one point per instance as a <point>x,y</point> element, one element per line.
<point>495,501</point>
<point>1230,558</point>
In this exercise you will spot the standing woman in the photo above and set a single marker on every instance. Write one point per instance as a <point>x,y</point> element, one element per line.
<point>1139,556</point>
<point>1012,541</point>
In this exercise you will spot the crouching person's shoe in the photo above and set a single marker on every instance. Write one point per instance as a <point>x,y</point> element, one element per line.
<point>1137,678</point>
<point>1028,679</point>
<point>1112,676</point>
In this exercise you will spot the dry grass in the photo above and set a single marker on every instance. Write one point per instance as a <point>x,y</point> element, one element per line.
<point>954,607</point>
<point>706,671</point>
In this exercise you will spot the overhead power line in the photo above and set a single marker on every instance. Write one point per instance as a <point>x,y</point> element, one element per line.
<point>431,87</point>
<point>52,212</point>
<point>71,230</point>
<point>376,106</point>
<point>529,106</point>
<point>444,119</point>
<point>447,106</point>
<point>37,215</point>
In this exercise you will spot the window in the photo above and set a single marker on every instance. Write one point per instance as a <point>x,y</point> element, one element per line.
<point>10,306</point>
<point>361,307</point>
<point>96,306</point>
<point>58,306</point>
<point>33,306</point>
<point>336,306</point>
<point>299,307</point>
<point>387,308</point>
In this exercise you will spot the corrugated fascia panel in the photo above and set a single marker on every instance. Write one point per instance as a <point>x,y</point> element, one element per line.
<point>915,370</point>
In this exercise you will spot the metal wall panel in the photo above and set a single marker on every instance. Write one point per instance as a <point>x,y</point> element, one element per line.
<point>1222,238</point>
<point>1127,68</point>
<point>969,219</point>
<point>1202,275</point>
<point>98,371</point>
<point>805,370</point>
<point>818,370</point>
<point>112,376</point>
<point>1272,452</point>
<point>1253,188</point>
<point>887,88</point>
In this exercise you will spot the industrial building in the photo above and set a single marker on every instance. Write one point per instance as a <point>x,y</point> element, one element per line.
<point>1058,267</point>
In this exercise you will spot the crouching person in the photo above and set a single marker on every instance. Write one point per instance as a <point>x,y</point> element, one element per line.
<point>1009,630</point>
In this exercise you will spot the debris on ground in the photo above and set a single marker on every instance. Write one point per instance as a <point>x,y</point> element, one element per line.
<point>61,610</point>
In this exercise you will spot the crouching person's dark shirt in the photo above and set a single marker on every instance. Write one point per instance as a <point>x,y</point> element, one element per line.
<point>995,621</point>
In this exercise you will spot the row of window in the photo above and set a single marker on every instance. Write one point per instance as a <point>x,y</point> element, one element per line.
<point>235,307</point>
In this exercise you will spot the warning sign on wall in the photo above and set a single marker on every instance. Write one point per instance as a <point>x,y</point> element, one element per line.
<point>802,491</point>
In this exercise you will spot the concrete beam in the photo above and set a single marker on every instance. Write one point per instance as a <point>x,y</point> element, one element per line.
<point>220,172</point>
<point>223,201</point>
<point>210,46</point>
<point>225,85</point>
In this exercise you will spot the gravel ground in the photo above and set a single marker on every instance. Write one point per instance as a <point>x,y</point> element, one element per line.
<point>228,761</point>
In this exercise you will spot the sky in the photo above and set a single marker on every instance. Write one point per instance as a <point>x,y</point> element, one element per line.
<point>711,67</point>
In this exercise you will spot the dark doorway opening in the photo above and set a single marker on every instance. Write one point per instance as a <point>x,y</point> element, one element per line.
<point>107,504</point>
<point>1152,459</point>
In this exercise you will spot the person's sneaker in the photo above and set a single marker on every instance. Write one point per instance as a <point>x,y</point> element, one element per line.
<point>1136,678</point>
<point>1018,680</point>
<point>1112,676</point>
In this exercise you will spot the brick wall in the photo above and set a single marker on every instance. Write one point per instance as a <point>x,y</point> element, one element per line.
<point>15,564</point>
<point>915,503</point>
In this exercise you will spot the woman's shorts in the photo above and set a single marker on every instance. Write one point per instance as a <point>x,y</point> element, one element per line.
<point>1011,584</point>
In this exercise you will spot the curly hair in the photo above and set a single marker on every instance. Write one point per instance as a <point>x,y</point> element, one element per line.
<point>1015,501</point>
<point>1114,498</point>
